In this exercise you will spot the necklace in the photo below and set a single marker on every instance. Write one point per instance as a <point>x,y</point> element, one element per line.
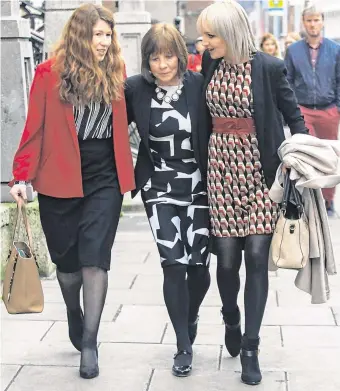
<point>168,98</point>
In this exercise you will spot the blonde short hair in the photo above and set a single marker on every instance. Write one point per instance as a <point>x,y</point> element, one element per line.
<point>229,21</point>
<point>161,38</point>
<point>312,9</point>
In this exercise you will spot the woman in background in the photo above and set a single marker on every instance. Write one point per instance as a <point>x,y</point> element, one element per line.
<point>270,45</point>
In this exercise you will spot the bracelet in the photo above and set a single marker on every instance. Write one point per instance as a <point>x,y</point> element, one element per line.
<point>20,182</point>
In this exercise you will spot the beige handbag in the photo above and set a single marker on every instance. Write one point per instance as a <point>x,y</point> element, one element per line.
<point>290,243</point>
<point>22,290</point>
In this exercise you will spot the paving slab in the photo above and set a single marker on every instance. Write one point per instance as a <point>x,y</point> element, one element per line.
<point>21,330</point>
<point>8,372</point>
<point>336,312</point>
<point>311,336</point>
<point>298,316</point>
<point>146,332</point>
<point>314,381</point>
<point>57,311</point>
<point>214,381</point>
<point>213,334</point>
<point>39,353</point>
<point>290,359</point>
<point>291,296</point>
<point>160,356</point>
<point>42,378</point>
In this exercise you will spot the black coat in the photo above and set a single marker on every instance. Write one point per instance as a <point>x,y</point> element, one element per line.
<point>138,93</point>
<point>273,98</point>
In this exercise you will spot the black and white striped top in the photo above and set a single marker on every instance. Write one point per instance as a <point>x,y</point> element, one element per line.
<point>93,120</point>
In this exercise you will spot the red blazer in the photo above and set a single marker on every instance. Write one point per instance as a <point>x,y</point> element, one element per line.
<point>48,153</point>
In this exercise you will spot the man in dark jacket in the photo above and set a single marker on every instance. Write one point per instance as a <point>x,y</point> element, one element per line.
<point>313,66</point>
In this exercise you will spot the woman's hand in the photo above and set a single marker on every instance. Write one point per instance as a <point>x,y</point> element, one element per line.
<point>284,168</point>
<point>18,191</point>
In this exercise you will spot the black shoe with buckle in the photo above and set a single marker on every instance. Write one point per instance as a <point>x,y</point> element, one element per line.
<point>192,330</point>
<point>182,363</point>
<point>233,335</point>
<point>75,327</point>
<point>251,373</point>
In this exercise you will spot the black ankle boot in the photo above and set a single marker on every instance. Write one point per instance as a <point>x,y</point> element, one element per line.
<point>75,327</point>
<point>192,330</point>
<point>251,373</point>
<point>89,363</point>
<point>233,335</point>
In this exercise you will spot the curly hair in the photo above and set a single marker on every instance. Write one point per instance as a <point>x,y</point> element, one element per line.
<point>82,78</point>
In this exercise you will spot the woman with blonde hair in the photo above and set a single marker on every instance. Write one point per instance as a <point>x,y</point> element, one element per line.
<point>245,92</point>
<point>164,102</point>
<point>75,151</point>
<point>270,45</point>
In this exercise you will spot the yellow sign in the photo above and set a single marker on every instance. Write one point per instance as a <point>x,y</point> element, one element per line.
<point>275,4</point>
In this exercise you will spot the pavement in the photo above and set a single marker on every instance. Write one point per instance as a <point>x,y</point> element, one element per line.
<point>300,342</point>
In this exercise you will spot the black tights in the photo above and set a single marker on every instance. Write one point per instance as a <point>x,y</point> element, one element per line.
<point>95,282</point>
<point>229,258</point>
<point>183,297</point>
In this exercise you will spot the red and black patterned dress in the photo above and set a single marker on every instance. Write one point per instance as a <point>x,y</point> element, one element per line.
<point>239,203</point>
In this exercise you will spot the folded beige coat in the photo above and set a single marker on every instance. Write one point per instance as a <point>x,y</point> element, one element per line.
<point>314,164</point>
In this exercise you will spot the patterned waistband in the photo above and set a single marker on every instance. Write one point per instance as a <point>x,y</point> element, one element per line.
<point>233,125</point>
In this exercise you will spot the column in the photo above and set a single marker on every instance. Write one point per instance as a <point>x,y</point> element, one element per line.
<point>16,78</point>
<point>132,22</point>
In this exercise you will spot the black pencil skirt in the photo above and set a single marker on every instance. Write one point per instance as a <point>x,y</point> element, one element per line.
<point>81,231</point>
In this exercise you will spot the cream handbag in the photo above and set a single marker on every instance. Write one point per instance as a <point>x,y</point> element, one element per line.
<point>290,243</point>
<point>22,290</point>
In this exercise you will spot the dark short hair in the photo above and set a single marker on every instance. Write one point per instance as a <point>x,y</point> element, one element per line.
<point>162,38</point>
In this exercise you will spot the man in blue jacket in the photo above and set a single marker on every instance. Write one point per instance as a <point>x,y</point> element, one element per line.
<point>313,66</point>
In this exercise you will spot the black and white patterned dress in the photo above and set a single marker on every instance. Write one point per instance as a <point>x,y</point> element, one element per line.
<point>175,196</point>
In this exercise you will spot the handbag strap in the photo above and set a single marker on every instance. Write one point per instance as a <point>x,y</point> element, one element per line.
<point>22,214</point>
<point>298,199</point>
<point>288,190</point>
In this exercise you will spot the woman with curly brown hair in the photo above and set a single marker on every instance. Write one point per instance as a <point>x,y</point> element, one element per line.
<point>75,151</point>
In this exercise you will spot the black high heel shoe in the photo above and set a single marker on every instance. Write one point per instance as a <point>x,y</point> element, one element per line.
<point>182,370</point>
<point>251,373</point>
<point>75,321</point>
<point>192,330</point>
<point>90,368</point>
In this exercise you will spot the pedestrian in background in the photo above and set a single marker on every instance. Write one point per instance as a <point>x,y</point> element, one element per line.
<point>195,59</point>
<point>164,102</point>
<point>313,66</point>
<point>291,38</point>
<point>270,45</point>
<point>245,92</point>
<point>75,150</point>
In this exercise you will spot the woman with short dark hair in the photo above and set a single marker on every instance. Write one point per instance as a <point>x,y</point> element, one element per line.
<point>75,150</point>
<point>164,102</point>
